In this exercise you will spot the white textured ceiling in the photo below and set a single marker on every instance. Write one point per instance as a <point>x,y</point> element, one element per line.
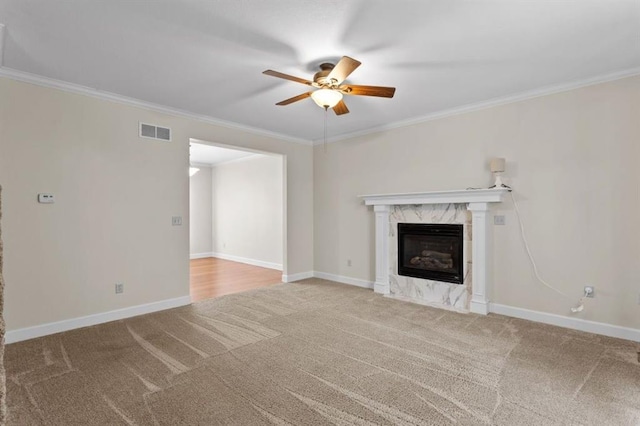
<point>206,56</point>
<point>208,154</point>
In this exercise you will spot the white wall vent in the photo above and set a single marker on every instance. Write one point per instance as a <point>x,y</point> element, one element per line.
<point>154,132</point>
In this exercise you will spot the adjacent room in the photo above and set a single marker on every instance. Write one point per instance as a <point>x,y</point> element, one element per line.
<point>233,246</point>
<point>357,212</point>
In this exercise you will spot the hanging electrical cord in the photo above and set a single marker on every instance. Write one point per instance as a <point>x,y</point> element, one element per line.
<point>580,305</point>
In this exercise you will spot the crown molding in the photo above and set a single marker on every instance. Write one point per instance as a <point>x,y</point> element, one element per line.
<point>237,160</point>
<point>220,163</point>
<point>113,97</point>
<point>517,97</point>
<point>198,164</point>
<point>99,94</point>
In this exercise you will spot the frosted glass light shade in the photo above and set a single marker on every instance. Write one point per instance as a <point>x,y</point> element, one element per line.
<point>326,98</point>
<point>193,171</point>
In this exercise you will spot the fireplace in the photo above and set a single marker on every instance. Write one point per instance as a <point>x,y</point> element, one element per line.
<point>431,251</point>
<point>469,207</point>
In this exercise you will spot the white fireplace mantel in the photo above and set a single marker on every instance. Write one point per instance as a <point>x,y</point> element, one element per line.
<point>476,200</point>
<point>493,195</point>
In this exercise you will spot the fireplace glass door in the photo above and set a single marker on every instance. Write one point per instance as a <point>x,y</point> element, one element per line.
<point>431,251</point>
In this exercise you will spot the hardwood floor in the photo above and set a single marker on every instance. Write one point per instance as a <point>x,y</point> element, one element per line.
<point>212,277</point>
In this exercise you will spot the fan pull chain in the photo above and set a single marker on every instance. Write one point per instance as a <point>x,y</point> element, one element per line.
<point>326,112</point>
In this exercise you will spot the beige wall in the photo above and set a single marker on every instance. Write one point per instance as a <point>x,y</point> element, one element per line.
<point>116,194</point>
<point>200,224</point>
<point>572,161</point>
<point>247,208</point>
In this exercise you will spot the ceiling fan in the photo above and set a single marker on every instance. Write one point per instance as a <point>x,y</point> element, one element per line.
<point>330,89</point>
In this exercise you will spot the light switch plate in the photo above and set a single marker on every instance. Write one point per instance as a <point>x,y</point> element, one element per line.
<point>499,219</point>
<point>46,198</point>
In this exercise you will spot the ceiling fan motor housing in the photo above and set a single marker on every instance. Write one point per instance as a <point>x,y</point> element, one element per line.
<point>321,76</point>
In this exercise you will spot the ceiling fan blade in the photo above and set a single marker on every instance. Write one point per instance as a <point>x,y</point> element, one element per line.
<point>294,99</point>
<point>341,108</point>
<point>287,77</point>
<point>380,91</point>
<point>343,68</point>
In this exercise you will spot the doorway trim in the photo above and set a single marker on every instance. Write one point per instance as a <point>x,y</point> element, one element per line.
<point>284,191</point>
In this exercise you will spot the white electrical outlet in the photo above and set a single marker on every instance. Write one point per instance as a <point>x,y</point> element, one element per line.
<point>119,288</point>
<point>499,220</point>
<point>348,262</point>
<point>176,220</point>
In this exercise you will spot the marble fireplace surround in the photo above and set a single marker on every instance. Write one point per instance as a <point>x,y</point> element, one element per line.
<point>475,200</point>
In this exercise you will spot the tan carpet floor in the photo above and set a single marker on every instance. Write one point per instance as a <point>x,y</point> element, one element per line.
<point>316,353</point>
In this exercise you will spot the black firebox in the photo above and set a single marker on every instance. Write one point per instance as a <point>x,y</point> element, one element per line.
<point>431,251</point>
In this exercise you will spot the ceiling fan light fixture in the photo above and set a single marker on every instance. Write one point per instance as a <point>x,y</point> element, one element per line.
<point>326,98</point>
<point>330,89</point>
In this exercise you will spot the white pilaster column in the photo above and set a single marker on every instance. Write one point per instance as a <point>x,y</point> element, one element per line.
<point>382,249</point>
<point>481,258</point>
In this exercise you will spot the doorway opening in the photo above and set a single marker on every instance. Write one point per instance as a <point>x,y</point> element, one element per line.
<point>237,219</point>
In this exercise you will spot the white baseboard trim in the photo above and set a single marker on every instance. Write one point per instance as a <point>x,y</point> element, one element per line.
<point>200,255</point>
<point>344,280</point>
<point>262,264</point>
<point>27,333</point>
<point>297,277</point>
<point>566,322</point>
